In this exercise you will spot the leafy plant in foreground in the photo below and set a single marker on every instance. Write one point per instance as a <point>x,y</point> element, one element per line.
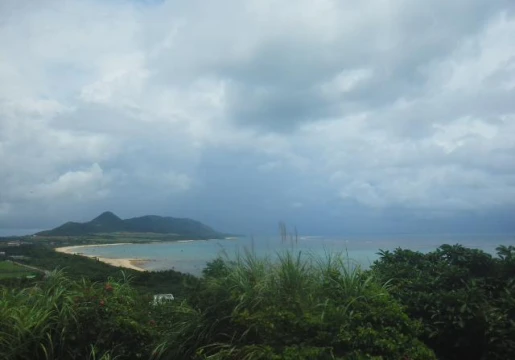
<point>65,319</point>
<point>294,307</point>
<point>464,298</point>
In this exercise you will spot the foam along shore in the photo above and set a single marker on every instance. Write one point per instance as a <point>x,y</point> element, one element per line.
<point>134,264</point>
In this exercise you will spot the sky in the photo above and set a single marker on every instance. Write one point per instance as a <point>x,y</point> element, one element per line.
<point>356,116</point>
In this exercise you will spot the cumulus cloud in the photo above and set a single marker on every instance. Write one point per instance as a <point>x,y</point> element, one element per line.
<point>225,111</point>
<point>79,184</point>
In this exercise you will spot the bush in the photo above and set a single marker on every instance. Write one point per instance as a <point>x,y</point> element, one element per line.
<point>64,319</point>
<point>464,298</point>
<point>298,307</point>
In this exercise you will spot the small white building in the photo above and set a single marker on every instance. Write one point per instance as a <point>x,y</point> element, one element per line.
<point>162,298</point>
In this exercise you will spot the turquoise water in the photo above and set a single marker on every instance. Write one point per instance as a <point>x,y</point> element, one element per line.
<point>191,256</point>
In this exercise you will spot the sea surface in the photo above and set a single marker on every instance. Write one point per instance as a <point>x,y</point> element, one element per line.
<point>18,232</point>
<point>191,256</point>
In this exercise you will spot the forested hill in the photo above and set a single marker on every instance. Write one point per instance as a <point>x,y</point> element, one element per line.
<point>108,222</point>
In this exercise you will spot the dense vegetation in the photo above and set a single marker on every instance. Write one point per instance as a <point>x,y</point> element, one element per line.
<point>95,239</point>
<point>452,303</point>
<point>64,319</point>
<point>293,308</point>
<point>464,297</point>
<point>77,267</point>
<point>108,222</point>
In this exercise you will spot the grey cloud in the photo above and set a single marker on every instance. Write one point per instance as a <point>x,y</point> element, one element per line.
<point>282,75</point>
<point>237,112</point>
<point>276,108</point>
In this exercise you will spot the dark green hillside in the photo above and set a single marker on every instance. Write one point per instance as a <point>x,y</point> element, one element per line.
<point>107,222</point>
<point>110,223</point>
<point>168,225</point>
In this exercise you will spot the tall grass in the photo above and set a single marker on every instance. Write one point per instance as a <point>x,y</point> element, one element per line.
<point>64,319</point>
<point>229,309</point>
<point>294,276</point>
<point>34,321</point>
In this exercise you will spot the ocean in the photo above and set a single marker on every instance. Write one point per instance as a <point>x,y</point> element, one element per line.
<point>18,232</point>
<point>191,256</point>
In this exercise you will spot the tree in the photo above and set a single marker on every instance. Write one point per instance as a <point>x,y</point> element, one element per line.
<point>463,297</point>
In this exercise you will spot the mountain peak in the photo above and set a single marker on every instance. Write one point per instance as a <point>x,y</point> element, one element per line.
<point>106,217</point>
<point>107,222</point>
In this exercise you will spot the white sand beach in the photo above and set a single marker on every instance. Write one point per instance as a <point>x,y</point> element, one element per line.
<point>134,264</point>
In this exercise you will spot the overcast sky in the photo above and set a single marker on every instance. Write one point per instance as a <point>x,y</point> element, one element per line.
<point>335,116</point>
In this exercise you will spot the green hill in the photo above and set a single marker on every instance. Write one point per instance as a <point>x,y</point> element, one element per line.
<point>108,222</point>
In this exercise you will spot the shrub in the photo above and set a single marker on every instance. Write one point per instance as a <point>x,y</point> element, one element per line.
<point>64,319</point>
<point>464,298</point>
<point>294,307</point>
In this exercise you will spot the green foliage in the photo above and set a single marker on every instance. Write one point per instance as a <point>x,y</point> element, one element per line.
<point>9,270</point>
<point>464,297</point>
<point>297,307</point>
<point>78,267</point>
<point>457,302</point>
<point>64,319</point>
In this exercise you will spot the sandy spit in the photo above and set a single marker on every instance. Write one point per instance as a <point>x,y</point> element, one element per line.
<point>134,264</point>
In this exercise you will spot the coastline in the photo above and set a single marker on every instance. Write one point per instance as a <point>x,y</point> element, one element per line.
<point>134,264</point>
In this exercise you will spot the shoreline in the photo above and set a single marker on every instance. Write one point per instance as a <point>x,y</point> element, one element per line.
<point>128,263</point>
<point>133,264</point>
